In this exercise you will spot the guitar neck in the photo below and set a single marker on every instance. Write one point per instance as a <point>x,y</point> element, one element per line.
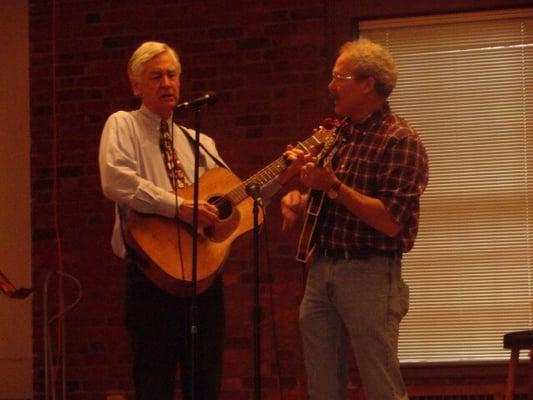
<point>268,173</point>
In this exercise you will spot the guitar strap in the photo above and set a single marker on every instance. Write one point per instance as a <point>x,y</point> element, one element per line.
<point>191,141</point>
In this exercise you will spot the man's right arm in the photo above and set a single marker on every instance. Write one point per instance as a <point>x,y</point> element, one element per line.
<point>293,205</point>
<point>120,180</point>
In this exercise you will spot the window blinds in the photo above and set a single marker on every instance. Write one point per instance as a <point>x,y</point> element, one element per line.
<point>465,85</point>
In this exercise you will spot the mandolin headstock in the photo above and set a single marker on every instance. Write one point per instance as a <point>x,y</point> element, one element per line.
<point>325,134</point>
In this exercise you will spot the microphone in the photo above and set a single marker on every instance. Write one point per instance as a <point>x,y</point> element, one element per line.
<point>254,191</point>
<point>208,98</point>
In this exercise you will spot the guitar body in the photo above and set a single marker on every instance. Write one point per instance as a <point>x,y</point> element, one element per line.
<point>167,243</point>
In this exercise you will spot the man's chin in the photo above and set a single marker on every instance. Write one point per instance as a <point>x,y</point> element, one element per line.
<point>168,106</point>
<point>339,110</point>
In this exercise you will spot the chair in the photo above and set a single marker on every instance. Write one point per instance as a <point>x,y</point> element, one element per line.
<point>516,341</point>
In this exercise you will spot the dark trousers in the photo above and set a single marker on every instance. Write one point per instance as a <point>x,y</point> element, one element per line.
<point>159,326</point>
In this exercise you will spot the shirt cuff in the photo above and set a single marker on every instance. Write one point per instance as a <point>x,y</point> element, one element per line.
<point>167,205</point>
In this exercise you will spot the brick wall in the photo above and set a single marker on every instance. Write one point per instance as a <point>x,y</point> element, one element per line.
<point>269,63</point>
<point>266,61</point>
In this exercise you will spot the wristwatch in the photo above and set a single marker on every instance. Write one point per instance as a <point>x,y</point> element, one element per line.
<point>333,191</point>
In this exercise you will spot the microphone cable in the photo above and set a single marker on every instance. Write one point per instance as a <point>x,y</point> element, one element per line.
<point>51,378</point>
<point>51,367</point>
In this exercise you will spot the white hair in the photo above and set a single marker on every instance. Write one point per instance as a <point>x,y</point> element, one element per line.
<point>144,53</point>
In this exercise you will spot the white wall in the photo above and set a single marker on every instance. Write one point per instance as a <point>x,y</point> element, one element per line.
<point>16,372</point>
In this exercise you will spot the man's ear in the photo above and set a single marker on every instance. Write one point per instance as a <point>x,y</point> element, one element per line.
<point>135,87</point>
<point>369,84</point>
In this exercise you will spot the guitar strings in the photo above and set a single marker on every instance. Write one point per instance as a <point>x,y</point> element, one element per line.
<point>239,192</point>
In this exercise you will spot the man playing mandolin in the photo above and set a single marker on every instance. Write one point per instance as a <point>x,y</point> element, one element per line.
<point>144,159</point>
<point>366,187</point>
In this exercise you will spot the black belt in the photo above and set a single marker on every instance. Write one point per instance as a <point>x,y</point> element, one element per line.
<point>357,254</point>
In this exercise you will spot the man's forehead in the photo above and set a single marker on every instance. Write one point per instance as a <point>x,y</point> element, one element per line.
<point>162,62</point>
<point>343,62</point>
<point>156,68</point>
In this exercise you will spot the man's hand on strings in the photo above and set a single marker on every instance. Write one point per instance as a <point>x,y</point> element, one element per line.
<point>318,178</point>
<point>207,213</point>
<point>296,158</point>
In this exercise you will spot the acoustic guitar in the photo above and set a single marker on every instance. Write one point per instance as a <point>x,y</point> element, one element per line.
<point>166,243</point>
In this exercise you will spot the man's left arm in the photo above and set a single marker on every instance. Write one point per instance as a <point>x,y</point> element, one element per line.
<point>402,176</point>
<point>372,211</point>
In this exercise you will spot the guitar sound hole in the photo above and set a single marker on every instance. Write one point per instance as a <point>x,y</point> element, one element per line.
<point>224,206</point>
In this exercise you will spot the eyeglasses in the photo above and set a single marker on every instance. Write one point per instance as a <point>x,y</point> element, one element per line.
<point>339,77</point>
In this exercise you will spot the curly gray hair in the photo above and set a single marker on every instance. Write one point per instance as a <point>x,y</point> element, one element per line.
<point>371,59</point>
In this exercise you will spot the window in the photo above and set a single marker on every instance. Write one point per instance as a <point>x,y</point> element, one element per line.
<point>465,85</point>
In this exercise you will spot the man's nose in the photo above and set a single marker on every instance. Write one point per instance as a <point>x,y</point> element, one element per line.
<point>165,80</point>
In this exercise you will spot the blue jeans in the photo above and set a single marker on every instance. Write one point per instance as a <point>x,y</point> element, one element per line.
<point>363,300</point>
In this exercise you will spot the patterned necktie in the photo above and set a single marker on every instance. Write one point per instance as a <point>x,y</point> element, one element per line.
<point>173,165</point>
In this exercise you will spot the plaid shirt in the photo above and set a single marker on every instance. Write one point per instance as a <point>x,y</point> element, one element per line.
<point>384,158</point>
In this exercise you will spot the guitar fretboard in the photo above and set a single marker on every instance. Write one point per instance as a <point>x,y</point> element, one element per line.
<point>268,173</point>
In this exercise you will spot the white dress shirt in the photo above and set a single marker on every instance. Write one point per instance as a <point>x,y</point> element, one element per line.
<point>132,169</point>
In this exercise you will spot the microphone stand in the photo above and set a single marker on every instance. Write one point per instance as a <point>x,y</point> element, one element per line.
<point>208,98</point>
<point>254,191</point>
<point>194,261</point>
